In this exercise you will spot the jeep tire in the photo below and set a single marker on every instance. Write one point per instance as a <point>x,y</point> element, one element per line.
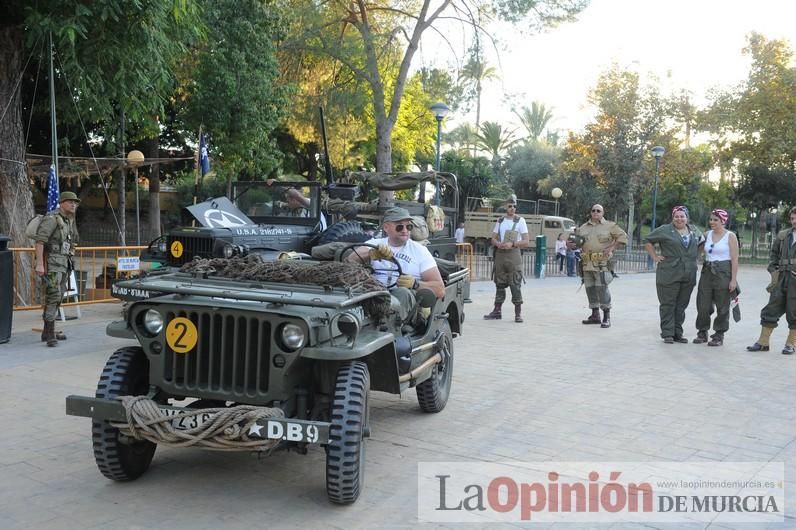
<point>125,374</point>
<point>347,231</point>
<point>345,454</point>
<point>432,394</point>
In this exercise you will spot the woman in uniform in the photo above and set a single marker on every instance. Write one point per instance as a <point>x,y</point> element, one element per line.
<point>675,276</point>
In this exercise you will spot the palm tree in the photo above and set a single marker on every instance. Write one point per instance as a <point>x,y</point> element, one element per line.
<point>535,119</point>
<point>474,73</point>
<point>494,139</point>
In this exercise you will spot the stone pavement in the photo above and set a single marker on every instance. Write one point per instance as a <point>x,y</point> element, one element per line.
<point>549,389</point>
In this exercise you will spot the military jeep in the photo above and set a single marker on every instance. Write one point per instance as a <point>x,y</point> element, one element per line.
<point>253,355</point>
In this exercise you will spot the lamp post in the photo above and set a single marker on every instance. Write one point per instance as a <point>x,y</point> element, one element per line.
<point>657,152</point>
<point>753,215</point>
<point>556,193</point>
<point>440,110</point>
<point>134,158</point>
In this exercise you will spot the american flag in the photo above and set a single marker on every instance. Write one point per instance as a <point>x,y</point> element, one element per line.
<point>204,158</point>
<point>52,190</point>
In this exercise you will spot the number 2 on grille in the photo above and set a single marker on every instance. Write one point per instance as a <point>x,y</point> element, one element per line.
<point>181,335</point>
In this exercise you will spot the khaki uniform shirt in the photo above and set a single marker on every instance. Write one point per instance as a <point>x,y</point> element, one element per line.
<point>58,234</point>
<point>598,236</point>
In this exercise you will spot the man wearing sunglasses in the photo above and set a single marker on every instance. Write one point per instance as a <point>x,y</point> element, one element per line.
<point>418,267</point>
<point>600,238</point>
<point>508,237</point>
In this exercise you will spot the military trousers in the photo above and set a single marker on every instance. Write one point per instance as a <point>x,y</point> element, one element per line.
<point>781,301</point>
<point>713,293</point>
<point>673,299</point>
<point>54,289</point>
<point>596,283</point>
<point>508,273</point>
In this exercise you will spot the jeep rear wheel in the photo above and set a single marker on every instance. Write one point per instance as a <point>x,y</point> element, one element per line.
<point>348,231</point>
<point>345,454</point>
<point>432,394</point>
<point>125,374</point>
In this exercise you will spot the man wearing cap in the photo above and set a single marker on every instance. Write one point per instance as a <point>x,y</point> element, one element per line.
<point>600,238</point>
<point>508,237</point>
<point>782,290</point>
<point>55,246</point>
<point>418,267</point>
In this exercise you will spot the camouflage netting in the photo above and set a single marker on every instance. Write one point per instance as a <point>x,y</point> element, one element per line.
<point>352,276</point>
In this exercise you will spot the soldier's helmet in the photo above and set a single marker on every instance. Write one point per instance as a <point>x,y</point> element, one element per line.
<point>512,199</point>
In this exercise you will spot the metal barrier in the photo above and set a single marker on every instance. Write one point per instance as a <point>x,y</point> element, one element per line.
<point>481,266</point>
<point>95,269</point>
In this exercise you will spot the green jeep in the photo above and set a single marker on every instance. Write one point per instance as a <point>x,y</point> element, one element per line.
<point>250,355</point>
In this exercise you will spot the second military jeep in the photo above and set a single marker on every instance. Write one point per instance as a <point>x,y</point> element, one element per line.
<point>253,355</point>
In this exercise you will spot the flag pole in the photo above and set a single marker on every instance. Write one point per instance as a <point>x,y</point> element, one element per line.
<point>53,126</point>
<point>198,167</point>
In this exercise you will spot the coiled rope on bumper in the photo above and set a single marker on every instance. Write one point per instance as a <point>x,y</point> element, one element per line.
<point>226,430</point>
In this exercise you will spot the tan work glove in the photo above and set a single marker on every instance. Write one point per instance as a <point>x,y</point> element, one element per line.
<point>774,280</point>
<point>381,252</point>
<point>408,281</point>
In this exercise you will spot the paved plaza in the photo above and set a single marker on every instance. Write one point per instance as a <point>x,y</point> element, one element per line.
<point>549,389</point>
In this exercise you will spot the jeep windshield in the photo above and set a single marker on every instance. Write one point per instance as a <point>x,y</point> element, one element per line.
<point>297,203</point>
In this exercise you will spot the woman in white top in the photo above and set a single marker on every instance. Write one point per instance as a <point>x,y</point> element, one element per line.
<point>718,281</point>
<point>561,251</point>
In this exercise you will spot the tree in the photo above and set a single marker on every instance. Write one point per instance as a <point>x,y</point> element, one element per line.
<point>117,57</point>
<point>233,91</point>
<point>475,72</point>
<point>495,140</point>
<point>528,164</point>
<point>361,36</point>
<point>535,119</point>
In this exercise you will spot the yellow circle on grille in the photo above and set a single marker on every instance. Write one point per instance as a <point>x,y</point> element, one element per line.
<point>176,249</point>
<point>181,335</point>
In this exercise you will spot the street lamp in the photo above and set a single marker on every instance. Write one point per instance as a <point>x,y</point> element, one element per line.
<point>134,158</point>
<point>657,152</point>
<point>440,110</point>
<point>556,193</point>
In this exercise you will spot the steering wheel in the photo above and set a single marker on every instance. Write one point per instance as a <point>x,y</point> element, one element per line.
<point>342,253</point>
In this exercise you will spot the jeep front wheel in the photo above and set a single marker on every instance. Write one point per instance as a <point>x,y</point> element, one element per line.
<point>125,374</point>
<point>432,394</point>
<point>345,454</point>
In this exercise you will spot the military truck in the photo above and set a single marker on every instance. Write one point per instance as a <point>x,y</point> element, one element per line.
<point>482,214</point>
<point>252,355</point>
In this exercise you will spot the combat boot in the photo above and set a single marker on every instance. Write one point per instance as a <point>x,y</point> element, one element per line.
<point>606,323</point>
<point>790,344</point>
<point>702,337</point>
<point>762,342</point>
<point>717,339</point>
<point>594,318</point>
<point>517,312</point>
<point>49,334</point>
<point>496,313</point>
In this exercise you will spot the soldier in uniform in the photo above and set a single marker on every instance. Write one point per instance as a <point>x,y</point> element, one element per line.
<point>55,246</point>
<point>782,289</point>
<point>600,238</point>
<point>508,237</point>
<point>675,275</point>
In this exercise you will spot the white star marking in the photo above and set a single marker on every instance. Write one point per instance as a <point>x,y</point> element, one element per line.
<point>255,429</point>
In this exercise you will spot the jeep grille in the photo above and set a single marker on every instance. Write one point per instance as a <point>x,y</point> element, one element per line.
<point>231,358</point>
<point>191,246</point>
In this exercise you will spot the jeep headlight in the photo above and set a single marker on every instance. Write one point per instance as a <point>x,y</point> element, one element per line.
<point>228,251</point>
<point>292,336</point>
<point>162,247</point>
<point>153,322</point>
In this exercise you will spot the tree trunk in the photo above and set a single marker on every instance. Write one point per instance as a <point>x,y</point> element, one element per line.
<point>122,191</point>
<point>153,151</point>
<point>16,199</point>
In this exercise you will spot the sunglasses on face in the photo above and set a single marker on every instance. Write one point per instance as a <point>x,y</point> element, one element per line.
<point>400,228</point>
<point>597,211</point>
<point>510,206</point>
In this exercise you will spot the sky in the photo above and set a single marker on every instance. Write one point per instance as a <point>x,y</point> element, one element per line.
<point>694,45</point>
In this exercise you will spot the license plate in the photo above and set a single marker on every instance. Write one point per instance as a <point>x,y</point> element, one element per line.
<point>186,422</point>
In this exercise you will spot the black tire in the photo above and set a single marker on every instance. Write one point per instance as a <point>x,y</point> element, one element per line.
<point>345,454</point>
<point>347,231</point>
<point>125,374</point>
<point>432,394</point>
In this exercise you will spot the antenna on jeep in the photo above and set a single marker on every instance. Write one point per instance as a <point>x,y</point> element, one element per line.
<point>327,163</point>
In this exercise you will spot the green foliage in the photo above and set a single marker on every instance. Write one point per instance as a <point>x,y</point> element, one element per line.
<point>233,91</point>
<point>535,119</point>
<point>529,163</point>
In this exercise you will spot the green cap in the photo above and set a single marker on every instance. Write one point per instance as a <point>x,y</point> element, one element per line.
<point>68,196</point>
<point>396,213</point>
